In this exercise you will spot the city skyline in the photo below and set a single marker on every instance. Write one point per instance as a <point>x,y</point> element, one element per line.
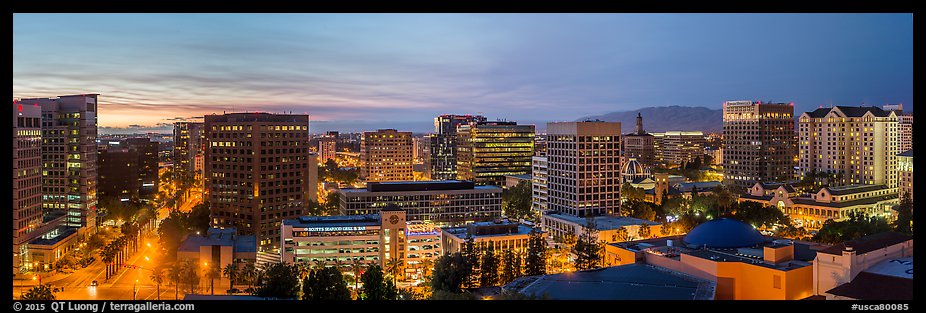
<point>343,70</point>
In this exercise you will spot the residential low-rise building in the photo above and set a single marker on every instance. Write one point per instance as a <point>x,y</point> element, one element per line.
<point>812,210</point>
<point>607,227</point>
<point>496,236</point>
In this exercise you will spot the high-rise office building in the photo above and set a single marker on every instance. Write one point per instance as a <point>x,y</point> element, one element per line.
<point>681,147</point>
<point>488,151</point>
<point>640,145</point>
<point>857,145</point>
<point>188,146</point>
<point>27,179</point>
<point>443,144</point>
<point>759,144</point>
<point>447,202</point>
<point>128,169</point>
<point>69,132</point>
<point>387,156</point>
<point>327,146</point>
<point>583,177</point>
<point>539,184</point>
<point>422,156</point>
<point>258,172</point>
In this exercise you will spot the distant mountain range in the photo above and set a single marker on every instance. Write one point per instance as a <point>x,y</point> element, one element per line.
<point>660,119</point>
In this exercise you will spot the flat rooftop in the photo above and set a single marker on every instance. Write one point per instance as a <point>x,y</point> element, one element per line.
<point>220,237</point>
<point>399,187</point>
<point>461,231</point>
<point>334,221</point>
<point>660,246</point>
<point>626,282</point>
<point>605,222</point>
<point>54,236</point>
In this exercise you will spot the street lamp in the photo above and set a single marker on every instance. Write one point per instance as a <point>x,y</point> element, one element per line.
<point>134,290</point>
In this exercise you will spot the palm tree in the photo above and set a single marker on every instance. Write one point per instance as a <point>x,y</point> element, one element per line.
<point>394,267</point>
<point>175,271</point>
<point>231,271</point>
<point>356,266</point>
<point>189,269</point>
<point>426,267</point>
<point>157,276</point>
<point>212,272</point>
<point>249,273</point>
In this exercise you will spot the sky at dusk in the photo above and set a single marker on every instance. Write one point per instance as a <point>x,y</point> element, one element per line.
<point>363,71</point>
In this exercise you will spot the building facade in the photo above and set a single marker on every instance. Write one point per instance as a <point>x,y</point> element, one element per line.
<point>258,172</point>
<point>829,203</point>
<point>189,143</point>
<point>605,228</point>
<point>443,144</point>
<point>27,180</point>
<point>744,264</point>
<point>128,169</point>
<point>69,133</point>
<point>640,145</point>
<point>681,147</point>
<point>584,167</point>
<point>439,202</point>
<point>327,146</point>
<point>857,144</point>
<point>496,236</point>
<point>488,151</point>
<point>539,184</point>
<point>759,143</point>
<point>368,238</point>
<point>905,173</point>
<point>840,264</point>
<point>387,156</point>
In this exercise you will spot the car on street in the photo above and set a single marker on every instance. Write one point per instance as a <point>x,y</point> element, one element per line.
<point>93,284</point>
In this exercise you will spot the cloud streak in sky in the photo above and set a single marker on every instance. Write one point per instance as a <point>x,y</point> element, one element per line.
<point>379,69</point>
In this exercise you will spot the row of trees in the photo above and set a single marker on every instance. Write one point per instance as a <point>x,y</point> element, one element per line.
<point>287,281</point>
<point>473,267</point>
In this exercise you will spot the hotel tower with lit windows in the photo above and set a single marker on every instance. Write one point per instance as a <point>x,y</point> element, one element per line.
<point>759,143</point>
<point>387,156</point>
<point>257,172</point>
<point>858,144</point>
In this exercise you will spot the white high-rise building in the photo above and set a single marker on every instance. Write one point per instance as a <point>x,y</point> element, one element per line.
<point>859,144</point>
<point>539,184</point>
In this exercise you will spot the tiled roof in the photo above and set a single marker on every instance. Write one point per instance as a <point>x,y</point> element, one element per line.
<point>848,190</point>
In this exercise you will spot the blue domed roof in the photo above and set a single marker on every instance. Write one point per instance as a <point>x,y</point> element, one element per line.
<point>724,233</point>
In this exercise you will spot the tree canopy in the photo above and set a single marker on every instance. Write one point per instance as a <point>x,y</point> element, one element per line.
<point>326,283</point>
<point>517,201</point>
<point>450,273</point>
<point>375,286</point>
<point>278,280</point>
